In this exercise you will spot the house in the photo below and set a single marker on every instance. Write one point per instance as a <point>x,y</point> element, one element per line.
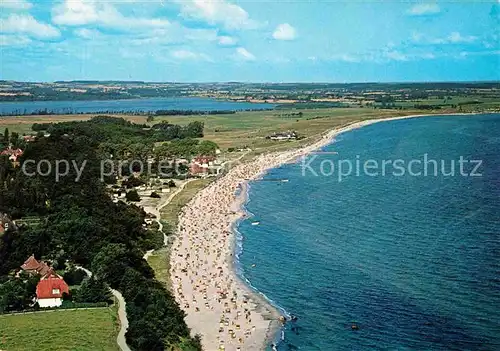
<point>32,266</point>
<point>29,138</point>
<point>204,160</point>
<point>288,135</point>
<point>50,290</point>
<point>6,223</point>
<point>200,165</point>
<point>13,154</point>
<point>198,170</point>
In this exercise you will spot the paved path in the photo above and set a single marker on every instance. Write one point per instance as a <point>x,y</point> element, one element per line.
<point>122,314</point>
<point>156,212</point>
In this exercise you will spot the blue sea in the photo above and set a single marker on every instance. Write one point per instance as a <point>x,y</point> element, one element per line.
<point>412,260</point>
<point>130,105</point>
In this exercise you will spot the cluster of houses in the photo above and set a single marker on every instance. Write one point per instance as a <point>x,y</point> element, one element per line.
<point>51,288</point>
<point>283,136</point>
<point>204,165</point>
<point>14,155</point>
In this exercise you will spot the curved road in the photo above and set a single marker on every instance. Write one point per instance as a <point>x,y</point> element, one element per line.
<point>122,314</point>
<point>156,212</point>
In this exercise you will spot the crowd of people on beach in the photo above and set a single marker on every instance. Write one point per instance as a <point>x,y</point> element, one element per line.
<point>218,305</point>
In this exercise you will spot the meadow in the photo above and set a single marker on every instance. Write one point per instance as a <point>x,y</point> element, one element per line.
<point>239,129</point>
<point>60,330</point>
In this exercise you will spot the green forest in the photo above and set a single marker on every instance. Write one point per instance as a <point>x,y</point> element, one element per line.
<point>78,222</point>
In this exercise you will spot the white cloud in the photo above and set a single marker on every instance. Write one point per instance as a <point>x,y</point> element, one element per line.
<point>456,37</point>
<point>28,25</point>
<point>174,34</point>
<point>189,55</point>
<point>82,12</point>
<point>225,40</point>
<point>16,4</point>
<point>86,33</point>
<point>244,54</point>
<point>424,9</point>
<point>346,58</point>
<point>74,13</point>
<point>395,56</point>
<point>214,12</point>
<point>453,38</point>
<point>284,32</point>
<point>14,40</point>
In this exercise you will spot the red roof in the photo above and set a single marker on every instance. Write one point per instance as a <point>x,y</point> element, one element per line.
<point>31,264</point>
<point>197,169</point>
<point>11,151</point>
<point>204,159</point>
<point>51,286</point>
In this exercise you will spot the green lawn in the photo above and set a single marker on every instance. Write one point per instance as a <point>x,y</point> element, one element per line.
<point>160,259</point>
<point>60,330</point>
<point>241,128</point>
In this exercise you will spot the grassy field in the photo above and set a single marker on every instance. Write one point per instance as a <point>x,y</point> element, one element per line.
<point>60,330</point>
<point>239,129</point>
<point>160,259</point>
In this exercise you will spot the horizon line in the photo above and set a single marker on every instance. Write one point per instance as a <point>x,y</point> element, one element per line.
<point>252,82</point>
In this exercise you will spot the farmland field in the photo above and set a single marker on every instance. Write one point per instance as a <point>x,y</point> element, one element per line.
<point>233,130</point>
<point>58,330</point>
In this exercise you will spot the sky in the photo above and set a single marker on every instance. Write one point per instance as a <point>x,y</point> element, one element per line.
<point>250,40</point>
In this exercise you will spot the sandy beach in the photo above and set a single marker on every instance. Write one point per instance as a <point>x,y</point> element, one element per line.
<point>219,306</point>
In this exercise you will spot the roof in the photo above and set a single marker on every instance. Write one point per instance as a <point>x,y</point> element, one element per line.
<point>197,169</point>
<point>204,159</point>
<point>51,286</point>
<point>31,264</point>
<point>12,152</point>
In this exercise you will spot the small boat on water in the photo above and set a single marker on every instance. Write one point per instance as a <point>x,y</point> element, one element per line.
<point>255,223</point>
<point>284,180</point>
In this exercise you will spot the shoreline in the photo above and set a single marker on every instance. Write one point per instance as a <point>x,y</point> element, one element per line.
<point>216,206</point>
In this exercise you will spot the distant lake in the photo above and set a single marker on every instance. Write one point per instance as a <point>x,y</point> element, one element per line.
<point>132,105</point>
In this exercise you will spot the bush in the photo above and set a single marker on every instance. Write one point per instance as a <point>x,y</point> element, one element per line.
<point>132,182</point>
<point>74,276</point>
<point>92,291</point>
<point>155,195</point>
<point>153,240</point>
<point>132,195</point>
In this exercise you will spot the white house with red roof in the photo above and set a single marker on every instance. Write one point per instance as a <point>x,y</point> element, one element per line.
<point>13,154</point>
<point>50,290</point>
<point>201,165</point>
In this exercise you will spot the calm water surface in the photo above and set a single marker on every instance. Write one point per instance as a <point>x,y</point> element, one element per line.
<point>413,261</point>
<point>153,104</point>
